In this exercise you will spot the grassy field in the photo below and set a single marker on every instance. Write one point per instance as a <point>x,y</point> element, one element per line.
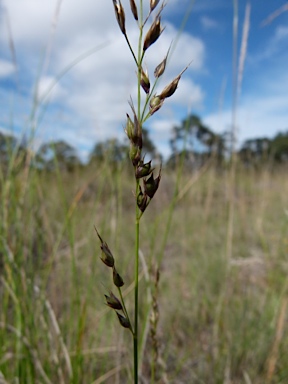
<point>222,295</point>
<point>213,286</point>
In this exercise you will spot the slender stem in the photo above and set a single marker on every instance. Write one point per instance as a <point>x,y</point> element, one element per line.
<point>135,340</point>
<point>129,45</point>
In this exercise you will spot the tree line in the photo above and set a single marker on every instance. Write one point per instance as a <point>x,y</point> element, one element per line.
<point>192,142</point>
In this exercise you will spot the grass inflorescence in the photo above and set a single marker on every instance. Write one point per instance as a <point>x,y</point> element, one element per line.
<point>146,184</point>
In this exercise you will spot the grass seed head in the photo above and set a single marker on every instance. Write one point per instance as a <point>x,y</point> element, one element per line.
<point>117,279</point>
<point>153,4</point>
<point>137,135</point>
<point>134,154</point>
<point>159,70</point>
<point>113,302</point>
<point>143,169</point>
<point>142,200</point>
<point>124,321</point>
<point>153,33</point>
<point>155,104</point>
<point>170,89</point>
<point>144,81</point>
<point>106,255</point>
<point>129,130</point>
<point>120,15</point>
<point>151,185</point>
<point>134,9</point>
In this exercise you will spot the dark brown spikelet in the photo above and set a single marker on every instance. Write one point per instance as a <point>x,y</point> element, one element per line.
<point>142,200</point>
<point>117,279</point>
<point>137,136</point>
<point>151,185</point>
<point>113,302</point>
<point>106,256</point>
<point>155,104</point>
<point>120,15</point>
<point>134,131</point>
<point>153,4</point>
<point>159,70</point>
<point>170,89</point>
<point>153,33</point>
<point>129,130</point>
<point>144,81</point>
<point>134,154</point>
<point>143,169</point>
<point>134,9</point>
<point>124,321</point>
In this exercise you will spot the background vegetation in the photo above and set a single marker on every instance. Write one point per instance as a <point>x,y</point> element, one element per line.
<point>222,297</point>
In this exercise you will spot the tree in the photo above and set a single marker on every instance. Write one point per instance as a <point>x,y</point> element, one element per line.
<point>11,147</point>
<point>57,154</point>
<point>8,144</point>
<point>110,150</point>
<point>279,147</point>
<point>255,151</point>
<point>259,150</point>
<point>197,141</point>
<point>115,152</point>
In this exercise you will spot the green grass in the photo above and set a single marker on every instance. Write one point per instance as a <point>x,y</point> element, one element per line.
<point>218,318</point>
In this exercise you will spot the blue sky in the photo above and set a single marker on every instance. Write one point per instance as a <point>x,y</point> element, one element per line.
<point>38,40</point>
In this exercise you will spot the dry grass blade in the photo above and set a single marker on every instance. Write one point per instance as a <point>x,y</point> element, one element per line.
<point>32,351</point>
<point>237,75</point>
<point>2,379</point>
<point>243,49</point>
<point>108,374</point>
<point>274,15</point>
<point>10,39</point>
<point>272,360</point>
<point>99,351</point>
<point>53,353</point>
<point>60,338</point>
<point>195,177</point>
<point>52,33</point>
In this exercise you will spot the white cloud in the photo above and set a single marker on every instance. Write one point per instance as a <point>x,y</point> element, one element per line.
<point>104,82</point>
<point>6,131</point>
<point>208,23</point>
<point>6,68</point>
<point>262,116</point>
<point>277,43</point>
<point>188,94</point>
<point>49,88</point>
<point>29,20</point>
<point>281,32</point>
<point>161,132</point>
